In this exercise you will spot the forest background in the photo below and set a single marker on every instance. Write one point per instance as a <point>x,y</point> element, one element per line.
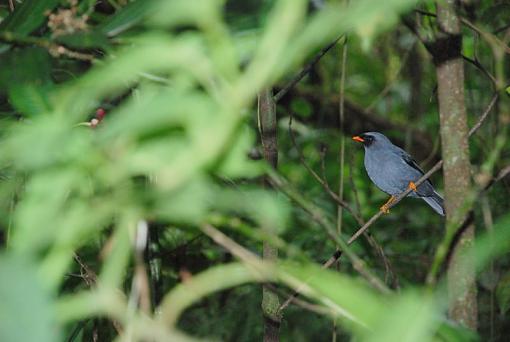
<point>183,170</point>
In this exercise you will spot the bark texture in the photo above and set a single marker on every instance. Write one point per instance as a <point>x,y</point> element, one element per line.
<point>455,150</point>
<point>267,126</point>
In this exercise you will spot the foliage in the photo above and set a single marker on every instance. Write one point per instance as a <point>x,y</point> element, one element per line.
<point>178,81</point>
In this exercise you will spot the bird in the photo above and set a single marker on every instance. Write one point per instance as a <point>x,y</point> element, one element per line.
<point>393,171</point>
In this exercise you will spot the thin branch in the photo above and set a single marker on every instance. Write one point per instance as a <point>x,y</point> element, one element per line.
<point>53,48</point>
<point>253,261</point>
<point>319,309</point>
<point>90,278</point>
<point>482,118</point>
<point>341,115</point>
<point>318,178</point>
<point>430,47</point>
<point>305,70</point>
<point>318,215</point>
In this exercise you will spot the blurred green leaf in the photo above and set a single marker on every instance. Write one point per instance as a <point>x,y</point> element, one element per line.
<point>30,99</point>
<point>269,210</point>
<point>35,70</point>
<point>81,40</point>
<point>237,163</point>
<point>26,313</point>
<point>27,16</point>
<point>412,317</point>
<point>200,285</point>
<point>126,17</point>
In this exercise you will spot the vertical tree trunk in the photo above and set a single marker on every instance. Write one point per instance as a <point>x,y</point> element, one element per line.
<point>267,126</point>
<point>455,149</point>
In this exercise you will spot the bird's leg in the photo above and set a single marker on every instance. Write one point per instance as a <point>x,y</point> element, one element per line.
<point>412,186</point>
<point>386,206</point>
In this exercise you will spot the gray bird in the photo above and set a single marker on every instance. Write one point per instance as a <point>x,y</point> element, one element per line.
<point>393,171</point>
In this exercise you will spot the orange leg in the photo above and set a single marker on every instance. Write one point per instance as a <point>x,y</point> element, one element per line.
<point>412,186</point>
<point>386,206</point>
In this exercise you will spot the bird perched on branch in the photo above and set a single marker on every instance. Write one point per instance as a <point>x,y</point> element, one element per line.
<point>393,171</point>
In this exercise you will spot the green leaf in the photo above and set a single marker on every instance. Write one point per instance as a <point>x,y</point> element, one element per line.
<point>214,279</point>
<point>30,99</point>
<point>125,18</point>
<point>237,163</point>
<point>410,317</point>
<point>26,312</point>
<point>351,299</point>
<point>94,39</point>
<point>27,16</point>
<point>270,210</point>
<point>36,68</point>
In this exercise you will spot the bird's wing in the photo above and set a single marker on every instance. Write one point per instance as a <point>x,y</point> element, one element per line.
<point>411,162</point>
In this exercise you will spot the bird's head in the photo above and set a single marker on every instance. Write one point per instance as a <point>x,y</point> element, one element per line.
<point>372,139</point>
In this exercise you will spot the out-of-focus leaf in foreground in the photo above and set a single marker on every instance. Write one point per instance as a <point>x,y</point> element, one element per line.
<point>26,310</point>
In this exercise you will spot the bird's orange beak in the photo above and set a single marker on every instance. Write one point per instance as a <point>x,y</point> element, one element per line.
<point>357,138</point>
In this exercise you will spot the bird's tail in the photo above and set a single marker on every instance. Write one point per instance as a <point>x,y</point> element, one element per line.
<point>436,202</point>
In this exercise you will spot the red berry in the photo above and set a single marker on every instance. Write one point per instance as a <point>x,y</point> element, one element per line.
<point>100,113</point>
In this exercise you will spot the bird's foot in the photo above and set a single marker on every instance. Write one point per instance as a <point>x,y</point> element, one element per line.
<point>412,186</point>
<point>385,209</point>
<point>386,206</point>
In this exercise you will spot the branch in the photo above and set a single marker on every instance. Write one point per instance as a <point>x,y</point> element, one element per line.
<point>305,70</point>
<point>53,48</point>
<point>318,178</point>
<point>319,216</point>
<point>432,49</point>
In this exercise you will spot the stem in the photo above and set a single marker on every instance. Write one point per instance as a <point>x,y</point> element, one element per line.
<point>268,127</point>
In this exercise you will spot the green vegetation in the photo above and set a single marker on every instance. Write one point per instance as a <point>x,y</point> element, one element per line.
<point>135,199</point>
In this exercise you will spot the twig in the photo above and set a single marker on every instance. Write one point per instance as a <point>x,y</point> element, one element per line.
<point>431,48</point>
<point>253,261</point>
<point>90,278</point>
<point>489,226</point>
<point>304,71</point>
<point>477,125</point>
<point>319,216</point>
<point>491,39</point>
<point>341,112</point>
<point>301,303</point>
<point>53,48</point>
<point>353,185</point>
<point>321,181</point>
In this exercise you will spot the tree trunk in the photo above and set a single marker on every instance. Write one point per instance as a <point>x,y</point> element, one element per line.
<point>267,126</point>
<point>456,168</point>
